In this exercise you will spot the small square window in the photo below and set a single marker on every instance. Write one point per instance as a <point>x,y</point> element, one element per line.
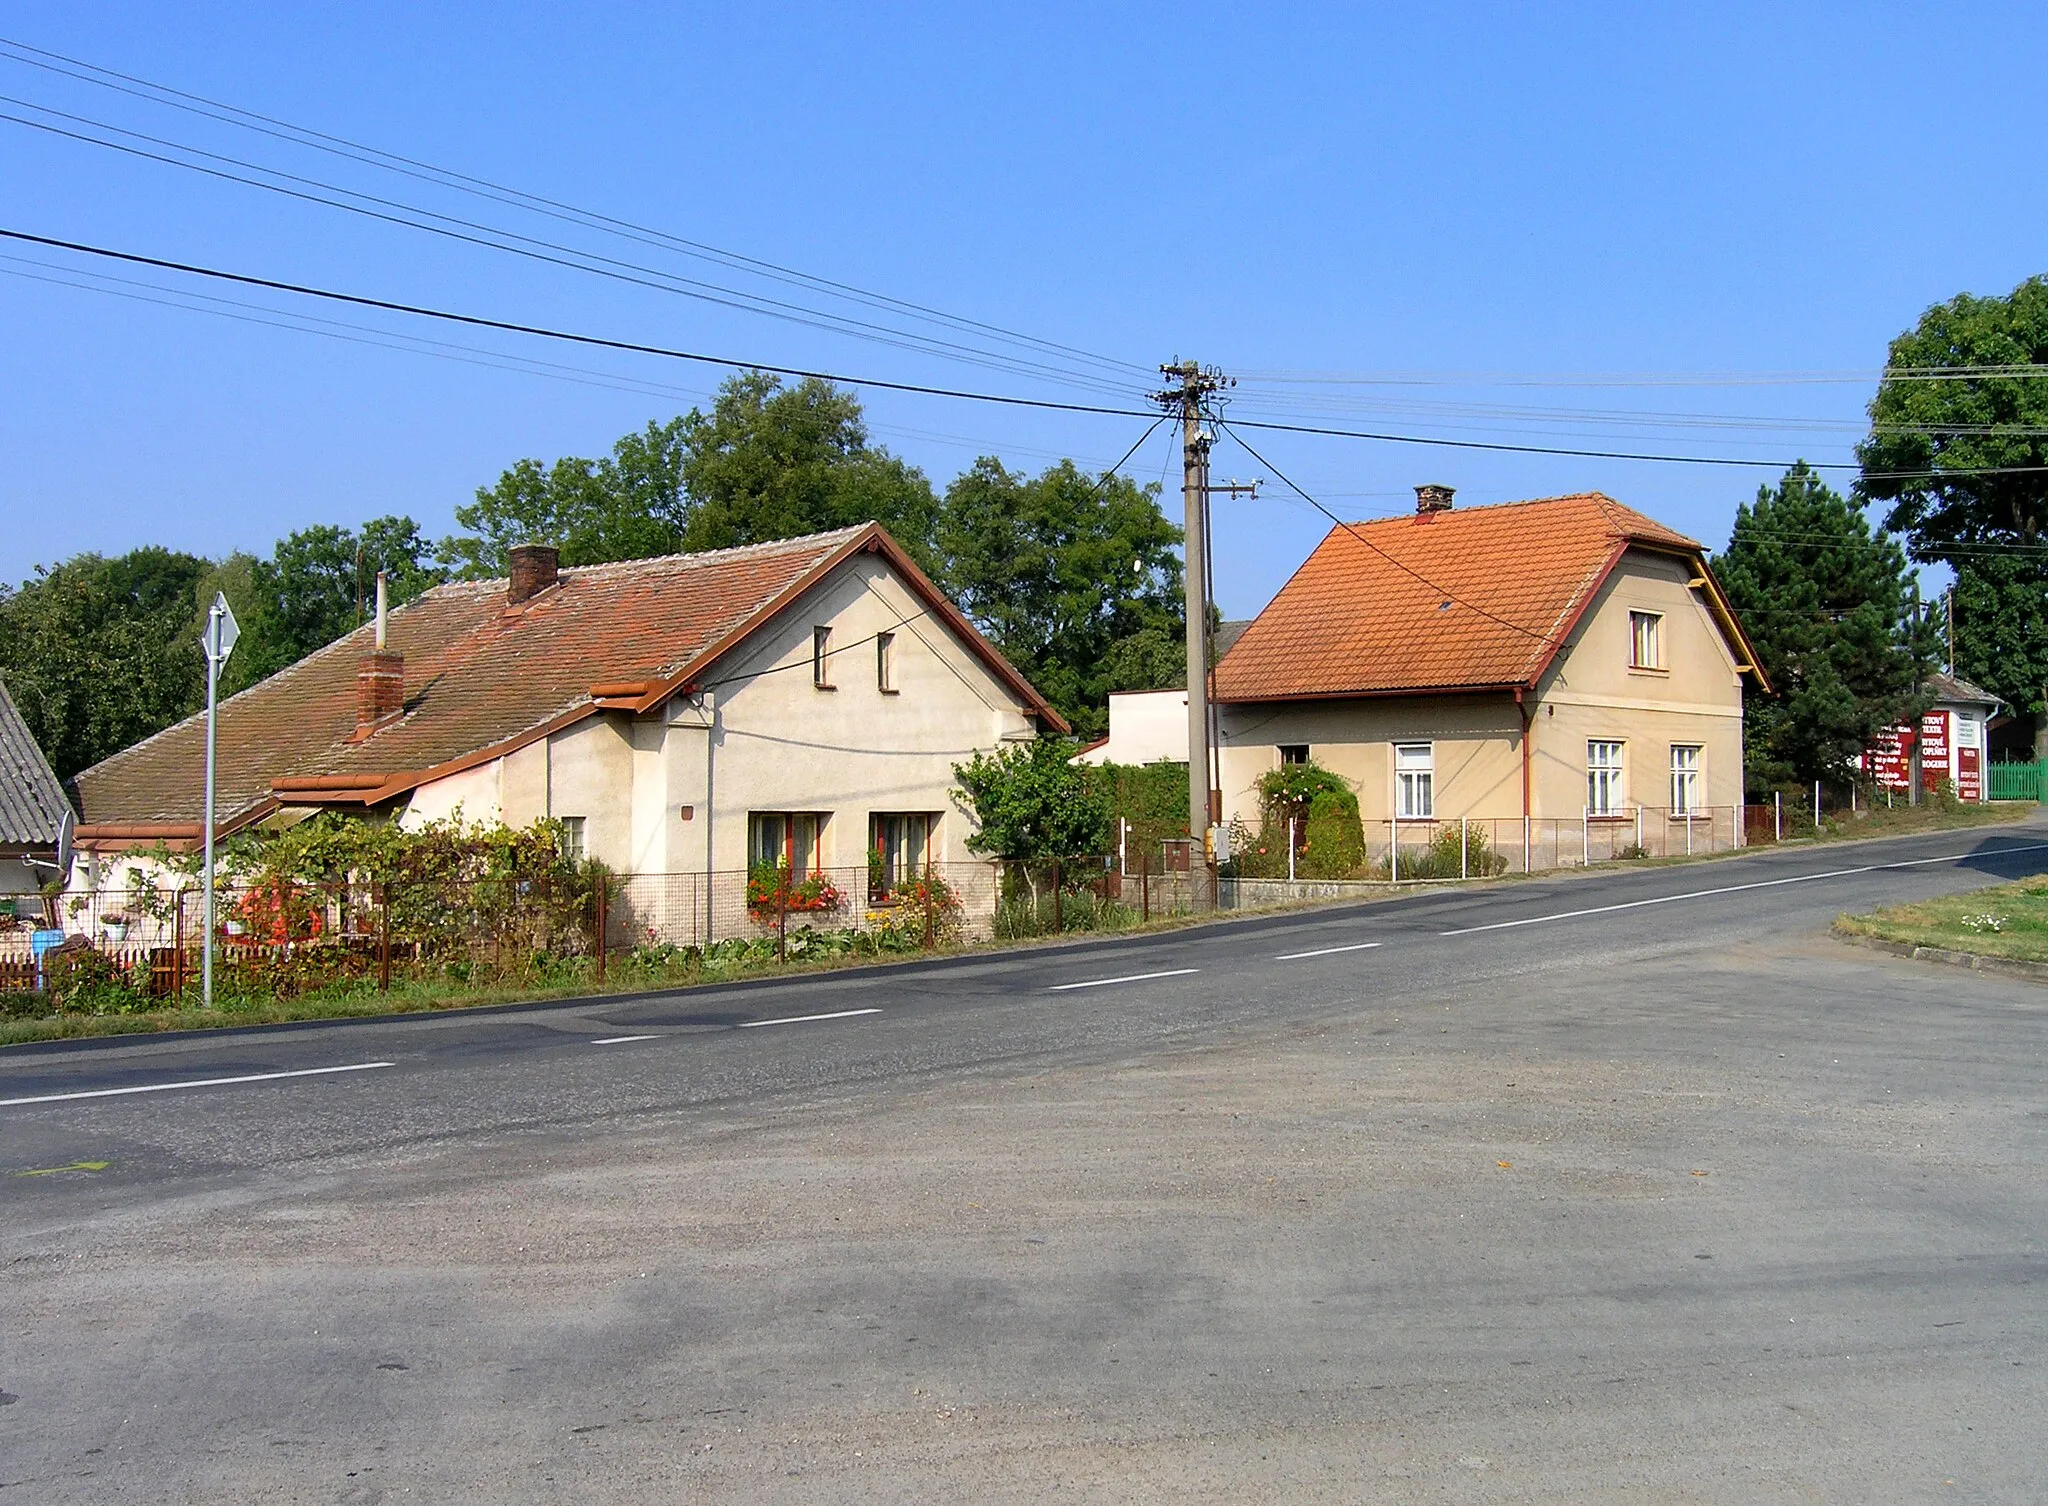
<point>572,837</point>
<point>885,663</point>
<point>1645,640</point>
<point>821,657</point>
<point>1293,753</point>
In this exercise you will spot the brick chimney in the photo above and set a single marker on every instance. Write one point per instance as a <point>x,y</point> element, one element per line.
<point>1432,499</point>
<point>533,567</point>
<point>380,682</point>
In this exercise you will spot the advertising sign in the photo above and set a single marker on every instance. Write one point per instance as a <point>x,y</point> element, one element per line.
<point>1934,750</point>
<point>1888,761</point>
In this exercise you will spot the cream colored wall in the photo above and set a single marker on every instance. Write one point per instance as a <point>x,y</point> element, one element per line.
<point>475,795</point>
<point>1477,750</point>
<point>1592,693</point>
<point>523,786</point>
<point>781,744</point>
<point>591,768</point>
<point>1145,726</point>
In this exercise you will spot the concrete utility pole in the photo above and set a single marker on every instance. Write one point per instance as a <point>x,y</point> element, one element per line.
<point>1195,384</point>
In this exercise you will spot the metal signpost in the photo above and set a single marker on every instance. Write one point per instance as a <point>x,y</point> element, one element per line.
<point>218,641</point>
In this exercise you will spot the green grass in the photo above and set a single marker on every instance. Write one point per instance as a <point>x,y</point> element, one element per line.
<point>2007,920</point>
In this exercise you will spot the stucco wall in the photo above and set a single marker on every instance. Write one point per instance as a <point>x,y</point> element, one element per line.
<point>1590,692</point>
<point>474,795</point>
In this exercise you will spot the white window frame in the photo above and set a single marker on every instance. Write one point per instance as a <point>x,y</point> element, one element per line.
<point>573,838</point>
<point>1287,748</point>
<point>1688,777</point>
<point>1415,781</point>
<point>1606,776</point>
<point>1642,626</point>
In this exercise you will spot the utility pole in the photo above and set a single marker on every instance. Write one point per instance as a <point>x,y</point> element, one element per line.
<point>1195,384</point>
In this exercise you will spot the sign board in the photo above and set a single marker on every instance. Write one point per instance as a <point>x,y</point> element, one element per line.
<point>222,631</point>
<point>1934,750</point>
<point>1969,774</point>
<point>1889,759</point>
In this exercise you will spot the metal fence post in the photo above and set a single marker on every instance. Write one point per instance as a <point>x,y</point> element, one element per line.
<point>1057,923</point>
<point>1394,850</point>
<point>1585,836</point>
<point>1525,844</point>
<point>1464,850</point>
<point>1777,815</point>
<point>604,885</point>
<point>1639,829</point>
<point>1688,832</point>
<point>384,937</point>
<point>1290,848</point>
<point>1816,806</point>
<point>1145,881</point>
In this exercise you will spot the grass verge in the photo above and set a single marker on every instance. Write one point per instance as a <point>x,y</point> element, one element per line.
<point>2006,920</point>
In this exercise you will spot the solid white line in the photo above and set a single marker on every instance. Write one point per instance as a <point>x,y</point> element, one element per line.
<point>1357,946</point>
<point>620,1040</point>
<point>203,1082</point>
<point>1133,978</point>
<point>805,1019</point>
<point>1802,878</point>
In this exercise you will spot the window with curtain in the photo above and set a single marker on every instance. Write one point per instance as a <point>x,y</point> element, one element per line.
<point>899,846</point>
<point>1685,778</point>
<point>1604,793</point>
<point>792,837</point>
<point>1646,640</point>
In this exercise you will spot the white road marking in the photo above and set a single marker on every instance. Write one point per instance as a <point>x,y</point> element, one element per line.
<point>805,1019</point>
<point>1177,972</point>
<point>1326,951</point>
<point>203,1082</point>
<point>620,1040</point>
<point>1801,878</point>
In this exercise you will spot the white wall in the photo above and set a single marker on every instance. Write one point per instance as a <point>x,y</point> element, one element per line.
<point>1145,726</point>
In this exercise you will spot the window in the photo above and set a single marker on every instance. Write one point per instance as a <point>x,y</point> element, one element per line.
<point>1293,753</point>
<point>1645,640</point>
<point>1603,779</point>
<point>899,848</point>
<point>885,663</point>
<point>1685,778</point>
<point>572,837</point>
<point>795,838</point>
<point>821,653</point>
<point>1414,773</point>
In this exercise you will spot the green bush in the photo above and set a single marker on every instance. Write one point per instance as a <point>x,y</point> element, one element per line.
<point>1449,855</point>
<point>1334,843</point>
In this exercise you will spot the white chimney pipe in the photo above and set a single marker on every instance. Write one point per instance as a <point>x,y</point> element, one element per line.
<point>381,598</point>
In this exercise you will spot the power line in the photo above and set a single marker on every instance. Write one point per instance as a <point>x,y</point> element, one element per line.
<point>305,137</point>
<point>479,321</point>
<point>550,252</point>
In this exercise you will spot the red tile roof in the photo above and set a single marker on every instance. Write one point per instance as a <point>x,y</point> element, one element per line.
<point>1465,599</point>
<point>483,677</point>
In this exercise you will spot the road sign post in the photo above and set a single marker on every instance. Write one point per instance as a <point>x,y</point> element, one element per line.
<point>219,641</point>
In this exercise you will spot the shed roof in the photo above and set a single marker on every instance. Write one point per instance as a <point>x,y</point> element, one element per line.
<point>32,803</point>
<point>1464,599</point>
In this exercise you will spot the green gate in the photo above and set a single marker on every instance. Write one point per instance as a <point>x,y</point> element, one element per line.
<point>2017,781</point>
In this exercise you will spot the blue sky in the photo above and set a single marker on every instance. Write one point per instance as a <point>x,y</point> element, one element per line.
<point>1478,202</point>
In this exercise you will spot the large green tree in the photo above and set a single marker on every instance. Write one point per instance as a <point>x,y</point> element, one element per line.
<point>318,583</point>
<point>1075,577</point>
<point>99,653</point>
<point>772,462</point>
<point>1827,605</point>
<point>1958,447</point>
<point>628,505</point>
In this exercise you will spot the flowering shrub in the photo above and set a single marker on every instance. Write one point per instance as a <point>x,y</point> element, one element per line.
<point>770,893</point>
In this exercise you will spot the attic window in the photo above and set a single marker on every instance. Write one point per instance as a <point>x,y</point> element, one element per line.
<point>885,663</point>
<point>821,657</point>
<point>1645,640</point>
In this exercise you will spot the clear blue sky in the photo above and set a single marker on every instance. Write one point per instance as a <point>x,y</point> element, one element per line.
<point>1492,197</point>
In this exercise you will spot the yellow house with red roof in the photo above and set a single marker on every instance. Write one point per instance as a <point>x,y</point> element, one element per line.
<point>1566,662</point>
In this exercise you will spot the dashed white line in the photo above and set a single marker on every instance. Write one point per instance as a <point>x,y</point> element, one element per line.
<point>1799,878</point>
<point>202,1082</point>
<point>620,1040</point>
<point>805,1019</point>
<point>1328,951</point>
<point>1177,972</point>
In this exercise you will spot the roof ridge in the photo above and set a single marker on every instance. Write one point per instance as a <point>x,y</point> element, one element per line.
<point>1608,506</point>
<point>792,544</point>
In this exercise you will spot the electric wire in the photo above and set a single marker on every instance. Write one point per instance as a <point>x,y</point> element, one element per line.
<point>339,146</point>
<point>1001,399</point>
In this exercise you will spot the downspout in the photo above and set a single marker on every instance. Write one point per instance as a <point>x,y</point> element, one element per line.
<point>1528,715</point>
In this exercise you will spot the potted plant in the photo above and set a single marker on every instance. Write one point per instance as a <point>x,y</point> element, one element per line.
<point>114,927</point>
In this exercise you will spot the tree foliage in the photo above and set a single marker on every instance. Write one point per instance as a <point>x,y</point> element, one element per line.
<point>1963,462</point>
<point>1073,577</point>
<point>99,653</point>
<point>1827,605</point>
<point>1029,801</point>
<point>628,505</point>
<point>318,584</point>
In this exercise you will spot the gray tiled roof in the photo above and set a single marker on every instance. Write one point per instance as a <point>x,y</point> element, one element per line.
<point>32,803</point>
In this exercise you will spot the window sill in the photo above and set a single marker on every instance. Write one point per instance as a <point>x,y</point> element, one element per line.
<point>816,686</point>
<point>1611,818</point>
<point>1662,672</point>
<point>889,690</point>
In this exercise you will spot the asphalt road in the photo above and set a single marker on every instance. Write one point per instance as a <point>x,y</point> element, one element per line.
<point>1626,1187</point>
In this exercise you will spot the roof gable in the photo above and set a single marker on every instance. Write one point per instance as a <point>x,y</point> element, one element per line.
<point>483,677</point>
<point>1465,599</point>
